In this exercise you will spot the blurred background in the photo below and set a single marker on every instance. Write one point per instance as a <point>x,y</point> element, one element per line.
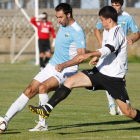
<point>16,30</point>
<point>82,4</point>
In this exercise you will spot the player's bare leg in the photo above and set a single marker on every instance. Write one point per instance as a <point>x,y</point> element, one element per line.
<point>129,111</point>
<point>33,89</point>
<point>77,80</point>
<point>21,102</point>
<point>50,84</point>
<point>44,88</point>
<point>48,56</point>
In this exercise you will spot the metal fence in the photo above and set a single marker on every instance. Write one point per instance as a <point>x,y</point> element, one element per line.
<point>82,4</point>
<point>24,30</point>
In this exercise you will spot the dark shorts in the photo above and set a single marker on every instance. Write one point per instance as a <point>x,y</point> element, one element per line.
<point>44,45</point>
<point>114,86</point>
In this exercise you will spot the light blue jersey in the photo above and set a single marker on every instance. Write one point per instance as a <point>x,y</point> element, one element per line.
<point>126,21</point>
<point>68,40</point>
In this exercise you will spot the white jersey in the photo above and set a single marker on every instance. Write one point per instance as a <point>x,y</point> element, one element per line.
<point>127,22</point>
<point>113,53</point>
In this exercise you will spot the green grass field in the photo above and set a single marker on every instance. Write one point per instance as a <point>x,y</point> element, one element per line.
<point>82,116</point>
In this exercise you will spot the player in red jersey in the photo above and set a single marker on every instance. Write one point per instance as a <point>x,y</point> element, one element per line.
<point>44,28</point>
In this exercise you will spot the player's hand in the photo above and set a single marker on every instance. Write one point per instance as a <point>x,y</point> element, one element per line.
<point>53,43</point>
<point>130,41</point>
<point>93,61</point>
<point>83,57</point>
<point>41,16</point>
<point>59,67</point>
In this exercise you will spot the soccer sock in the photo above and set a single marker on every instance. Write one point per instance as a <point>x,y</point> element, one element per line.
<point>110,99</point>
<point>60,94</point>
<point>42,63</point>
<point>137,118</point>
<point>17,106</point>
<point>43,99</point>
<point>46,60</point>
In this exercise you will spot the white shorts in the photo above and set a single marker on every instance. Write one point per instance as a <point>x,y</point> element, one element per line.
<point>50,71</point>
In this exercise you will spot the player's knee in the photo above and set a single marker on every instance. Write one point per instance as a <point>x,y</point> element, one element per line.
<point>127,113</point>
<point>42,89</point>
<point>48,55</point>
<point>69,82</point>
<point>30,92</point>
<point>41,55</point>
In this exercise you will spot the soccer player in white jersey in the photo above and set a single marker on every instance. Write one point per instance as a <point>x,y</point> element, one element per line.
<point>69,43</point>
<point>127,22</point>
<point>108,74</point>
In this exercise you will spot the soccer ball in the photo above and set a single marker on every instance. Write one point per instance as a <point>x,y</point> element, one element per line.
<point>3,124</point>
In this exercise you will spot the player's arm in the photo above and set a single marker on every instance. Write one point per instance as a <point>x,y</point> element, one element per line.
<point>133,27</point>
<point>98,35</point>
<point>97,31</point>
<point>134,39</point>
<point>72,62</point>
<point>33,21</point>
<point>93,61</point>
<point>110,47</point>
<point>79,58</point>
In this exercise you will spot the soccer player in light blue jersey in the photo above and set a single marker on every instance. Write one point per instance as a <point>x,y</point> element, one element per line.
<point>127,22</point>
<point>69,43</point>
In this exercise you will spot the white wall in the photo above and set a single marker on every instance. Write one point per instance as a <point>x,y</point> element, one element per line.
<point>137,5</point>
<point>90,4</point>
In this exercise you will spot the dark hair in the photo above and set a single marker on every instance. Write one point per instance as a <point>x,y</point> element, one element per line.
<point>45,13</point>
<point>117,1</point>
<point>109,12</point>
<point>65,7</point>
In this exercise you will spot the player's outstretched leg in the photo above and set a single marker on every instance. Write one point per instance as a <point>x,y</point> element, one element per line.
<point>44,110</point>
<point>128,110</point>
<point>41,110</point>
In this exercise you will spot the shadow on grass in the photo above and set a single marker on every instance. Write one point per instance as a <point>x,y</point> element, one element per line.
<point>6,132</point>
<point>134,128</point>
<point>90,124</point>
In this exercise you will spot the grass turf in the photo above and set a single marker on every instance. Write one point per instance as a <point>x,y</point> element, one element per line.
<point>82,116</point>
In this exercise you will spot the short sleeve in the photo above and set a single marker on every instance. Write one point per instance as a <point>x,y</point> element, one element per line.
<point>99,25</point>
<point>79,39</point>
<point>132,25</point>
